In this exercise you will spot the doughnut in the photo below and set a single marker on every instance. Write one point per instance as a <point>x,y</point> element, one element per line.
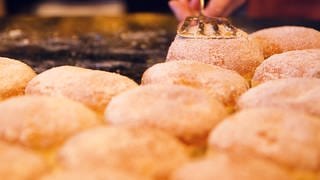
<point>230,167</point>
<point>186,113</point>
<point>288,138</point>
<point>42,122</point>
<point>276,40</point>
<point>240,54</point>
<point>105,174</point>
<point>300,94</point>
<point>299,63</point>
<point>222,84</point>
<point>18,163</point>
<point>142,151</point>
<point>14,77</point>
<point>91,87</point>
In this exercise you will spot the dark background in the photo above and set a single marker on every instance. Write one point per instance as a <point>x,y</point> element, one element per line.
<point>26,6</point>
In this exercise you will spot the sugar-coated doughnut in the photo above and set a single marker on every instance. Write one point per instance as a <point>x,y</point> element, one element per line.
<point>299,94</point>
<point>18,163</point>
<point>230,167</point>
<point>288,138</point>
<point>184,112</point>
<point>299,63</point>
<point>276,40</point>
<point>91,87</point>
<point>145,152</point>
<point>14,77</point>
<point>105,174</point>
<point>222,84</point>
<point>42,122</point>
<point>240,54</point>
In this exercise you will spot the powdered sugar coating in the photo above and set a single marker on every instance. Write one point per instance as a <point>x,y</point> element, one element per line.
<point>19,163</point>
<point>14,77</point>
<point>300,94</point>
<point>105,174</point>
<point>286,137</point>
<point>93,88</point>
<point>187,113</point>
<point>42,122</point>
<point>222,84</point>
<point>143,151</point>
<point>225,166</point>
<point>240,54</point>
<point>276,40</point>
<point>299,63</point>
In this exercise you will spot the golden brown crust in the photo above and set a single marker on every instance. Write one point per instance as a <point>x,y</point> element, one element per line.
<point>299,63</point>
<point>276,40</point>
<point>240,54</point>
<point>230,167</point>
<point>184,112</point>
<point>222,84</point>
<point>18,163</point>
<point>146,152</point>
<point>91,87</point>
<point>43,122</point>
<point>14,77</point>
<point>300,94</point>
<point>285,137</point>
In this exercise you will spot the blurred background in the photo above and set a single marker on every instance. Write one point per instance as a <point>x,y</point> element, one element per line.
<point>81,7</point>
<point>259,13</point>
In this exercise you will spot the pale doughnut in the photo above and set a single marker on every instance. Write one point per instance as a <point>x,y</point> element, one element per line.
<point>18,163</point>
<point>184,112</point>
<point>240,54</point>
<point>222,84</point>
<point>105,174</point>
<point>300,94</point>
<point>286,137</point>
<point>276,40</point>
<point>14,77</point>
<point>91,87</point>
<point>299,63</point>
<point>145,152</point>
<point>43,122</point>
<point>230,167</point>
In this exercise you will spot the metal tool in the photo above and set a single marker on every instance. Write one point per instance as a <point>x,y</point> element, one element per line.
<point>202,26</point>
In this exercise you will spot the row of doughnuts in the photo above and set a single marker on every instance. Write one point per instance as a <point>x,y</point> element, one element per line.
<point>245,53</point>
<point>187,119</point>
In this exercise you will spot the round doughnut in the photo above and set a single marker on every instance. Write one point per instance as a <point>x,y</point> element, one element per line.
<point>105,174</point>
<point>14,77</point>
<point>145,152</point>
<point>240,54</point>
<point>288,137</point>
<point>276,40</point>
<point>91,87</point>
<point>43,122</point>
<point>299,63</point>
<point>300,94</point>
<point>222,84</point>
<point>230,167</point>
<point>184,112</point>
<point>18,163</point>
